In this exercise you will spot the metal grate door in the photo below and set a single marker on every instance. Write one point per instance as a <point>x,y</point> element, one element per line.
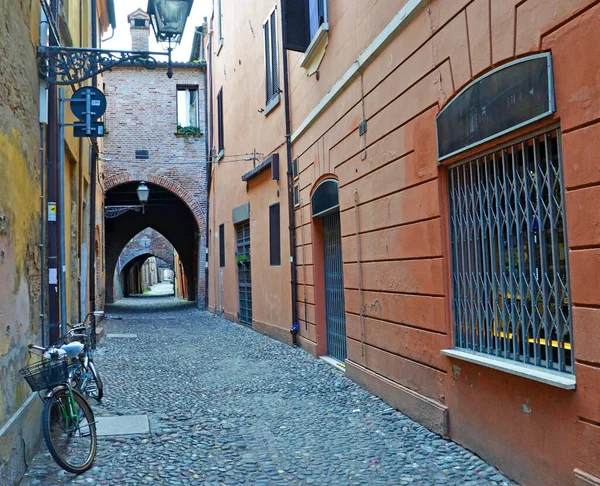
<point>244,276</point>
<point>334,287</point>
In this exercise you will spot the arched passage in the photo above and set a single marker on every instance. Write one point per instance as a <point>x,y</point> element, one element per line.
<point>164,212</point>
<point>139,274</point>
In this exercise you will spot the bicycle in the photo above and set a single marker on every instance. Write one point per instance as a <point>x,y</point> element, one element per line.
<point>86,378</point>
<point>68,422</point>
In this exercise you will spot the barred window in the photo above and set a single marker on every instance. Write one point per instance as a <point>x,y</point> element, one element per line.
<point>509,255</point>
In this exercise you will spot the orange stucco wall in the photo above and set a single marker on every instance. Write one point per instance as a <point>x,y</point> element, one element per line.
<point>536,433</point>
<point>238,69</point>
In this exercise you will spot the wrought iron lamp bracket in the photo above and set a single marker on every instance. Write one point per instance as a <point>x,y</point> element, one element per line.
<point>115,211</point>
<point>72,65</point>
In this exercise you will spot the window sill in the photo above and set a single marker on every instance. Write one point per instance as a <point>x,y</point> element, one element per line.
<point>272,104</point>
<point>219,47</point>
<point>553,378</point>
<point>220,155</point>
<point>316,50</point>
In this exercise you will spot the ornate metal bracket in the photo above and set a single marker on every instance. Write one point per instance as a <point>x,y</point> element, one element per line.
<point>72,65</point>
<point>116,211</point>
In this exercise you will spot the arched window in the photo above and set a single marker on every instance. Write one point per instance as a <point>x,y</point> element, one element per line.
<point>325,199</point>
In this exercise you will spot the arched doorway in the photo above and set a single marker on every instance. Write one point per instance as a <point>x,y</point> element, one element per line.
<point>166,213</point>
<point>329,269</point>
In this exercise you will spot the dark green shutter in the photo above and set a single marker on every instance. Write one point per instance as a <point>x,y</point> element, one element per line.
<point>274,234</point>
<point>296,32</point>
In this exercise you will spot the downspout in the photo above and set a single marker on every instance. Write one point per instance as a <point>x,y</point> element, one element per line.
<point>207,151</point>
<point>92,237</point>
<point>43,121</point>
<point>51,154</point>
<point>290,190</point>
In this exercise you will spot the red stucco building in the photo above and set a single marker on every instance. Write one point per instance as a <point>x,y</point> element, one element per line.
<point>445,184</point>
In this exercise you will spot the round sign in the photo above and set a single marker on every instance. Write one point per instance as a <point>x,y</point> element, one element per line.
<point>79,102</point>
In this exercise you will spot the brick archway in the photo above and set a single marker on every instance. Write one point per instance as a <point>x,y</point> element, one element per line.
<point>169,184</point>
<point>150,253</point>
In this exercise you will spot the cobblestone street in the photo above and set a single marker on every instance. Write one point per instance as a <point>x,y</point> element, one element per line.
<point>227,405</point>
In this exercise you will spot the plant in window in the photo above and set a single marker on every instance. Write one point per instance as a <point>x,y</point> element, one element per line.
<point>242,260</point>
<point>189,132</point>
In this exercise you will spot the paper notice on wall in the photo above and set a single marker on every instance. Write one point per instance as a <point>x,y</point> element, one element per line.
<point>51,211</point>
<point>52,276</point>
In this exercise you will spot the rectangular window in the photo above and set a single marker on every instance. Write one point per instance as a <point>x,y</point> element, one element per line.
<point>222,245</point>
<point>295,172</point>
<point>142,154</point>
<point>274,235</point>
<point>220,131</point>
<point>316,15</point>
<point>302,19</point>
<point>510,267</point>
<point>188,112</point>
<point>297,195</point>
<point>219,21</point>
<point>271,56</point>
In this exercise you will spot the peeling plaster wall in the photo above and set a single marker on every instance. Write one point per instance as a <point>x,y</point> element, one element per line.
<point>20,256</point>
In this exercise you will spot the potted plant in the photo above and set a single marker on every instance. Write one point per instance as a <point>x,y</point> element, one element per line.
<point>189,132</point>
<point>242,260</point>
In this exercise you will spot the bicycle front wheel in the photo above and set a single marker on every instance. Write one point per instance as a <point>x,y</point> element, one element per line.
<point>70,430</point>
<point>96,387</point>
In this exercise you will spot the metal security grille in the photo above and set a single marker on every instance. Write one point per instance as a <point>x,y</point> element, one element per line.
<point>334,287</point>
<point>244,276</point>
<point>509,255</point>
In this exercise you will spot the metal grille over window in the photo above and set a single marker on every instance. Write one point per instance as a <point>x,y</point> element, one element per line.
<point>510,255</point>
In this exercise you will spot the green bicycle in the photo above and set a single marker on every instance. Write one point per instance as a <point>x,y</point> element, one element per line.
<point>68,422</point>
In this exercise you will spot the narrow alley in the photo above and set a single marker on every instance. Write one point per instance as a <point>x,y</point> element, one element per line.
<point>227,405</point>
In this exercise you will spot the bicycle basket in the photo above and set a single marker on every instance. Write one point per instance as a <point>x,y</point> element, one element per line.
<point>46,374</point>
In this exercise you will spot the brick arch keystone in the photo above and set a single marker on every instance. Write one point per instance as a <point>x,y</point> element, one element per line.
<point>190,201</point>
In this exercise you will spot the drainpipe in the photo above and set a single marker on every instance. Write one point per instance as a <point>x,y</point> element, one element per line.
<point>207,149</point>
<point>92,237</point>
<point>290,189</point>
<point>51,149</point>
<point>62,261</point>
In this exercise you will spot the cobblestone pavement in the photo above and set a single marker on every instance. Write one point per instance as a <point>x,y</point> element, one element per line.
<point>230,406</point>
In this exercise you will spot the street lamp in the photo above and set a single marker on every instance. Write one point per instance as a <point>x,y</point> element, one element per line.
<point>72,65</point>
<point>168,19</point>
<point>143,193</point>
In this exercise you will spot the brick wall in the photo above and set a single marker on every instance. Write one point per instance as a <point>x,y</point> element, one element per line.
<point>148,242</point>
<point>142,115</point>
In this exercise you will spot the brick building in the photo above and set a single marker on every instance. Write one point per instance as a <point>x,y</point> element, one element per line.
<point>155,132</point>
<point>443,157</point>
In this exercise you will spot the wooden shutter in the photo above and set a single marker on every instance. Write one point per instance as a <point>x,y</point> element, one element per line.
<point>220,131</point>
<point>222,245</point>
<point>268,63</point>
<point>274,56</point>
<point>295,25</point>
<point>274,235</point>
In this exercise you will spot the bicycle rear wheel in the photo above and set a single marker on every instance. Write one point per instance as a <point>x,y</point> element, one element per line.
<point>70,430</point>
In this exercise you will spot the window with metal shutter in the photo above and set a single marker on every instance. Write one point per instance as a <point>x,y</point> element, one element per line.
<point>296,25</point>
<point>222,245</point>
<point>274,235</point>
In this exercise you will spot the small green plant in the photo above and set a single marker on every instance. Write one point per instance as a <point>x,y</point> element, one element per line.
<point>242,259</point>
<point>189,132</point>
